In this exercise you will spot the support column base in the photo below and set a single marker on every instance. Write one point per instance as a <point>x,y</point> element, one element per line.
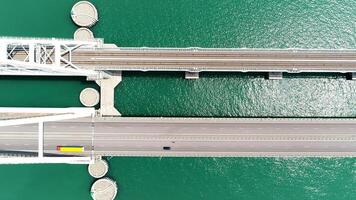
<point>107,94</point>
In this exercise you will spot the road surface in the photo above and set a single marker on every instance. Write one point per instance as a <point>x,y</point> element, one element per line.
<point>191,137</point>
<point>200,59</point>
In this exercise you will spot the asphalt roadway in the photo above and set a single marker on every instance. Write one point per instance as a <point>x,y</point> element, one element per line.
<point>190,137</point>
<point>209,59</point>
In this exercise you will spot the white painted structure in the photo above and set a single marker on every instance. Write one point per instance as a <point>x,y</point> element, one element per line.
<point>89,97</point>
<point>36,115</point>
<point>21,116</point>
<point>99,168</point>
<point>107,94</point>
<point>83,34</point>
<point>84,14</point>
<point>104,189</point>
<point>53,57</point>
<point>38,56</point>
<point>159,136</point>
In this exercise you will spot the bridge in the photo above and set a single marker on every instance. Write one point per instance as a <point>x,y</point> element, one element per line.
<point>122,136</point>
<point>109,134</point>
<point>224,60</point>
<point>36,118</point>
<point>42,57</point>
<point>60,57</point>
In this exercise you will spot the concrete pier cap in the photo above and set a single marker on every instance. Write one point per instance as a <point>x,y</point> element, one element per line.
<point>275,75</point>
<point>107,94</point>
<point>191,75</point>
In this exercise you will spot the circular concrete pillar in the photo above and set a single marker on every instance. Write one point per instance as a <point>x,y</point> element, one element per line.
<point>104,189</point>
<point>89,97</point>
<point>84,14</point>
<point>98,169</point>
<point>83,34</point>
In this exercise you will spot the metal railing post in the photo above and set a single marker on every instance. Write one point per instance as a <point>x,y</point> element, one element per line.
<point>40,138</point>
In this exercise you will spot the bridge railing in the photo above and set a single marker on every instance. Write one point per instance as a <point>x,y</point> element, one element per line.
<point>42,56</point>
<point>31,137</point>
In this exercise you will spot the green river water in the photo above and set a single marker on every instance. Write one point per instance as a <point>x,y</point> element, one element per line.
<point>203,23</point>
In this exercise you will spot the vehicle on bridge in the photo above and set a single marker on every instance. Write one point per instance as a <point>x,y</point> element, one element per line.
<point>71,149</point>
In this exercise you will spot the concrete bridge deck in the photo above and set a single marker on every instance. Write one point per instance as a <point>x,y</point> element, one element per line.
<point>200,59</point>
<point>192,137</point>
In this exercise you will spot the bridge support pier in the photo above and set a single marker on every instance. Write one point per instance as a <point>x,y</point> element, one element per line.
<point>275,75</point>
<point>352,76</point>
<point>107,94</point>
<point>191,75</point>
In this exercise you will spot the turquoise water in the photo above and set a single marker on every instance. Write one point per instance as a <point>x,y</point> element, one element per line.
<point>45,18</point>
<point>266,24</point>
<point>225,23</point>
<point>37,182</point>
<point>239,24</point>
<point>228,23</point>
<point>42,91</point>
<point>236,95</point>
<point>235,178</point>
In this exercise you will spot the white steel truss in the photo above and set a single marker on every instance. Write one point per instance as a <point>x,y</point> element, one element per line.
<point>20,116</point>
<point>39,56</point>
